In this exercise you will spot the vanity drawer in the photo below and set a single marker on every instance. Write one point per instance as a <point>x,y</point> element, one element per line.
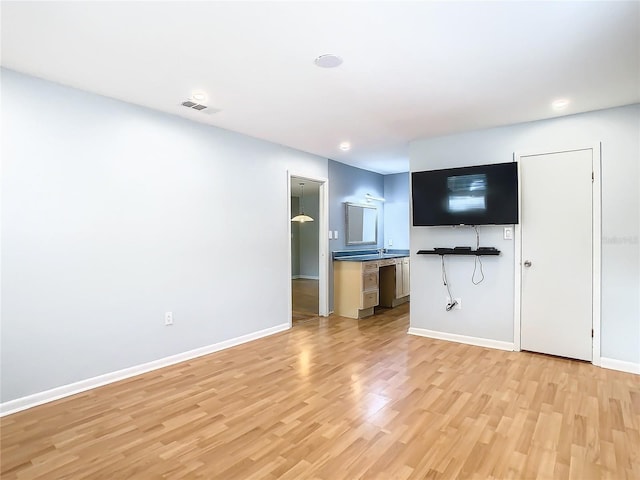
<point>370,266</point>
<point>388,261</point>
<point>369,299</point>
<point>370,281</point>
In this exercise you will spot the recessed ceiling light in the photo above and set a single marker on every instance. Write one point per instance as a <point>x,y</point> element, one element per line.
<point>328,60</point>
<point>345,146</point>
<point>560,104</point>
<point>199,96</point>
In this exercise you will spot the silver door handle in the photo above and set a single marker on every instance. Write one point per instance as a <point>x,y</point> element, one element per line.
<point>527,263</point>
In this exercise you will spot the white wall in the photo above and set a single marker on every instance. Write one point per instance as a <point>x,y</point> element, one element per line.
<point>396,210</point>
<point>488,309</point>
<point>113,214</point>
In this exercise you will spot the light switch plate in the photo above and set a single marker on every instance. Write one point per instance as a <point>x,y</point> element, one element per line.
<point>330,235</point>
<point>508,233</point>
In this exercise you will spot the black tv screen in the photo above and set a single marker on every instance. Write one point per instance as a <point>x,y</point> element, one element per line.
<point>478,195</point>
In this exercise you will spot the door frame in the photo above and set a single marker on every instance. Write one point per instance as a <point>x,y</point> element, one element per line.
<point>323,242</point>
<point>596,232</point>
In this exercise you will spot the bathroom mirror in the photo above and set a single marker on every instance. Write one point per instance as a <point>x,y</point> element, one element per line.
<point>362,224</point>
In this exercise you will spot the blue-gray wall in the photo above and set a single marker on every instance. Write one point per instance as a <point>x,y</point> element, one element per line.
<point>295,239</point>
<point>350,184</point>
<point>306,237</point>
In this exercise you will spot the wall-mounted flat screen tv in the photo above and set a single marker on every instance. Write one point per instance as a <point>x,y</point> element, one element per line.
<point>478,195</point>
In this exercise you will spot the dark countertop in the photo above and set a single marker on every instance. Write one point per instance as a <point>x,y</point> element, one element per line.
<point>368,255</point>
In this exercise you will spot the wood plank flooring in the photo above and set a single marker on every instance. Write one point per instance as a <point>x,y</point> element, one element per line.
<point>304,296</point>
<point>340,399</point>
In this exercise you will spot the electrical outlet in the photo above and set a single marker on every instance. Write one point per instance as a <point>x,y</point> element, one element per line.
<point>458,305</point>
<point>168,318</point>
<point>335,234</point>
<point>390,243</point>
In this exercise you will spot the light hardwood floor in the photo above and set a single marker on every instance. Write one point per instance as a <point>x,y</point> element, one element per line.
<point>340,399</point>
<point>304,297</point>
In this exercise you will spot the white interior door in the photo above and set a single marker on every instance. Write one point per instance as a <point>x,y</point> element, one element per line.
<point>557,253</point>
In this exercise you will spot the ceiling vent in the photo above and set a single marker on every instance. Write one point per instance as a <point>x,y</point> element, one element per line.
<point>199,107</point>
<point>194,105</point>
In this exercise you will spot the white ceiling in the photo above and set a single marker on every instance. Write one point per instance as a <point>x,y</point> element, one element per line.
<point>411,69</point>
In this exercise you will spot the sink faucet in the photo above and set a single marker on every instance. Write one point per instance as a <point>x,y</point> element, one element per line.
<point>381,252</point>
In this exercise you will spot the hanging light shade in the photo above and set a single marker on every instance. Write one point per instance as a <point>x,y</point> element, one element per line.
<point>301,217</point>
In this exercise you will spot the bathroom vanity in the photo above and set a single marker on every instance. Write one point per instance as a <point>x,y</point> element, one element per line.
<point>365,279</point>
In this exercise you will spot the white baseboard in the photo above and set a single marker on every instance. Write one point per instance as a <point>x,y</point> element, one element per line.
<point>620,365</point>
<point>23,403</point>
<point>609,363</point>
<point>454,337</point>
<point>305,277</point>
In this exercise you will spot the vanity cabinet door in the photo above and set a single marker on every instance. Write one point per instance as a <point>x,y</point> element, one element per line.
<point>402,278</point>
<point>405,277</point>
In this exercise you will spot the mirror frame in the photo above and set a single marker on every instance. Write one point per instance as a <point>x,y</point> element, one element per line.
<point>349,241</point>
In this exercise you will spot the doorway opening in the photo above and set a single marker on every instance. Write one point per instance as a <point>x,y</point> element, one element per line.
<point>308,248</point>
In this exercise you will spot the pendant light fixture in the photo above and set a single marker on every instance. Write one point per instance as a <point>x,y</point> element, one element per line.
<point>302,217</point>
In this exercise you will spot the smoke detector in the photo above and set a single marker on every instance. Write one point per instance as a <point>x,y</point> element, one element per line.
<point>328,60</point>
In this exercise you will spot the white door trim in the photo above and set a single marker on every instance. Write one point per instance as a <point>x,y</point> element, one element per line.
<point>597,248</point>
<point>323,245</point>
